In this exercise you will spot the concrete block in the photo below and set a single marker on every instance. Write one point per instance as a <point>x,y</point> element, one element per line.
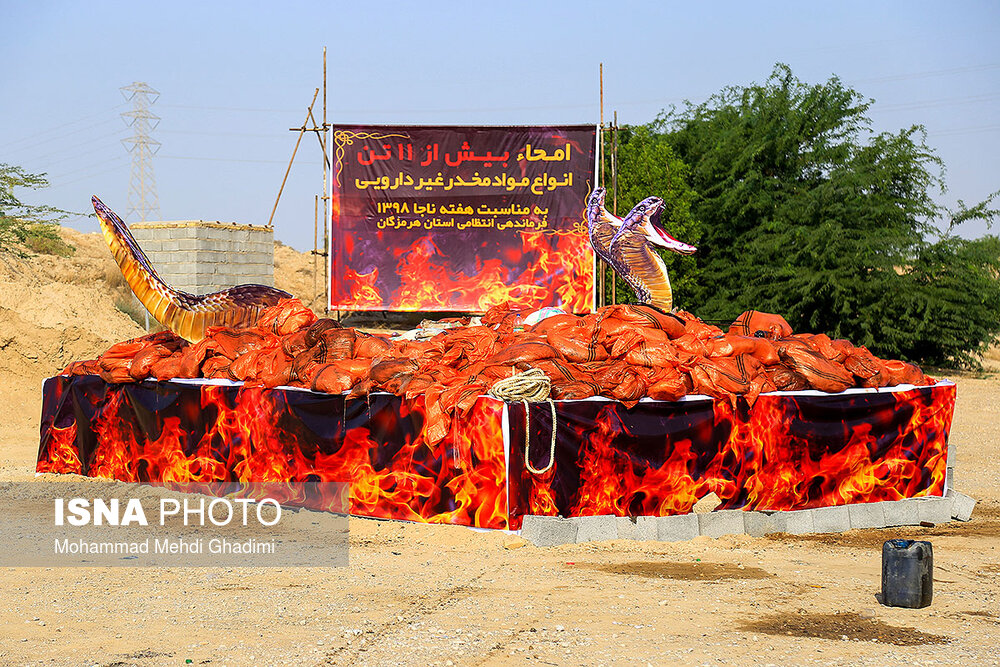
<point>795,522</point>
<point>952,455</point>
<point>187,232</point>
<point>641,528</point>
<point>831,519</point>
<point>548,531</point>
<point>150,245</point>
<point>961,505</point>
<point>677,528</point>
<point>934,510</point>
<point>721,522</point>
<point>867,515</point>
<point>950,478</point>
<point>759,524</point>
<point>596,528</point>
<point>170,245</point>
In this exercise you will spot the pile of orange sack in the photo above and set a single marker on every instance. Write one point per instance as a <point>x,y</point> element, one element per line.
<point>622,352</point>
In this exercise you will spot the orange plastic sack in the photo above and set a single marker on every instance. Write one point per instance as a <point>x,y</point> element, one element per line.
<point>646,316</point>
<point>231,343</point>
<point>754,322</point>
<point>367,346</point>
<point>670,385</point>
<point>288,316</point>
<point>902,372</point>
<point>340,376</point>
<point>332,344</point>
<point>576,349</point>
<point>818,371</point>
<point>524,352</point>
<point>733,345</point>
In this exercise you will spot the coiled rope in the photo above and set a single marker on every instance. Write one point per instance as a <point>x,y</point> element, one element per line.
<point>531,385</point>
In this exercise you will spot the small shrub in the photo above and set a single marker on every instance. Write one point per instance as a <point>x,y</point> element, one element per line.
<point>44,239</point>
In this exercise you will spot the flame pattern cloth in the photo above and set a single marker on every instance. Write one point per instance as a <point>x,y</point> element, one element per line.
<point>655,458</point>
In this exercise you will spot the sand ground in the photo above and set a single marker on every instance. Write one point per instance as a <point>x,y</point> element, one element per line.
<point>423,595</point>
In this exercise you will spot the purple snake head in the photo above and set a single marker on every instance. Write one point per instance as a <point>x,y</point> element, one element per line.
<point>648,213</point>
<point>595,206</point>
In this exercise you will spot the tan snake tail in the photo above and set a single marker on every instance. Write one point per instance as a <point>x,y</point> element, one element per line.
<point>187,315</point>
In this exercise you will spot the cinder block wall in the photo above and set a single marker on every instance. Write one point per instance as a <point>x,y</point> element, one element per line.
<point>203,257</point>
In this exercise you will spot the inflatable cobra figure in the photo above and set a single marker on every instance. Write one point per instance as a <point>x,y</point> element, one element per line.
<point>185,314</point>
<point>627,245</point>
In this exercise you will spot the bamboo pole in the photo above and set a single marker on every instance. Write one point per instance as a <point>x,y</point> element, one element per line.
<point>316,250</point>
<point>326,199</point>
<point>302,131</point>
<point>599,263</point>
<point>614,186</point>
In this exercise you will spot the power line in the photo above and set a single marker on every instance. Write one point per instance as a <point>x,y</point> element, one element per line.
<point>63,149</point>
<point>928,73</point>
<point>249,109</point>
<point>58,127</point>
<point>224,159</point>
<point>227,134</point>
<point>89,176</point>
<point>120,160</point>
<point>963,130</point>
<point>940,102</point>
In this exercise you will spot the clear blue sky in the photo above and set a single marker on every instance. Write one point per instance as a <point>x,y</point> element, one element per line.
<point>234,77</point>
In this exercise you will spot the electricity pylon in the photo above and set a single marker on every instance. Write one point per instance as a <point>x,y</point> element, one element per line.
<point>142,199</point>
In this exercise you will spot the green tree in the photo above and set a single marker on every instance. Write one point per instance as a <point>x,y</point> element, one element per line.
<point>647,166</point>
<point>807,213</point>
<point>23,226</point>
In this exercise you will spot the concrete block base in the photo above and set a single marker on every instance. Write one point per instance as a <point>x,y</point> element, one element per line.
<point>901,513</point>
<point>551,530</point>
<point>934,510</point>
<point>596,528</point>
<point>759,524</point>
<point>721,522</point>
<point>677,528</point>
<point>636,528</point>
<point>797,522</point>
<point>867,515</point>
<point>548,531</point>
<point>831,519</point>
<point>961,505</point>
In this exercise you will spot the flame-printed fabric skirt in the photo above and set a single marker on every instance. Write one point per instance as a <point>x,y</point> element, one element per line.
<point>790,451</point>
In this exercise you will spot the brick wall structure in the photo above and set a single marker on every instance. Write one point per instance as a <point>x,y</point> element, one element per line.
<point>202,257</point>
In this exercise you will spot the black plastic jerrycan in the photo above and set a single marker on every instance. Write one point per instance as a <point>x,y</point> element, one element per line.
<point>907,573</point>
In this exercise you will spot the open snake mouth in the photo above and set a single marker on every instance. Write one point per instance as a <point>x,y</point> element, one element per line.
<point>665,240</point>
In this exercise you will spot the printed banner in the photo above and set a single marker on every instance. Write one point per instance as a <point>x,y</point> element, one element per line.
<point>790,451</point>
<point>437,218</point>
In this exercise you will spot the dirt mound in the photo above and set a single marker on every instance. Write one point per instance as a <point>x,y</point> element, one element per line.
<point>294,271</point>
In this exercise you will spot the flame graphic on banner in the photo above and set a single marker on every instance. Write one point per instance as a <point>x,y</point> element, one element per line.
<point>549,269</point>
<point>654,459</point>
<point>788,453</point>
<point>206,433</point>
